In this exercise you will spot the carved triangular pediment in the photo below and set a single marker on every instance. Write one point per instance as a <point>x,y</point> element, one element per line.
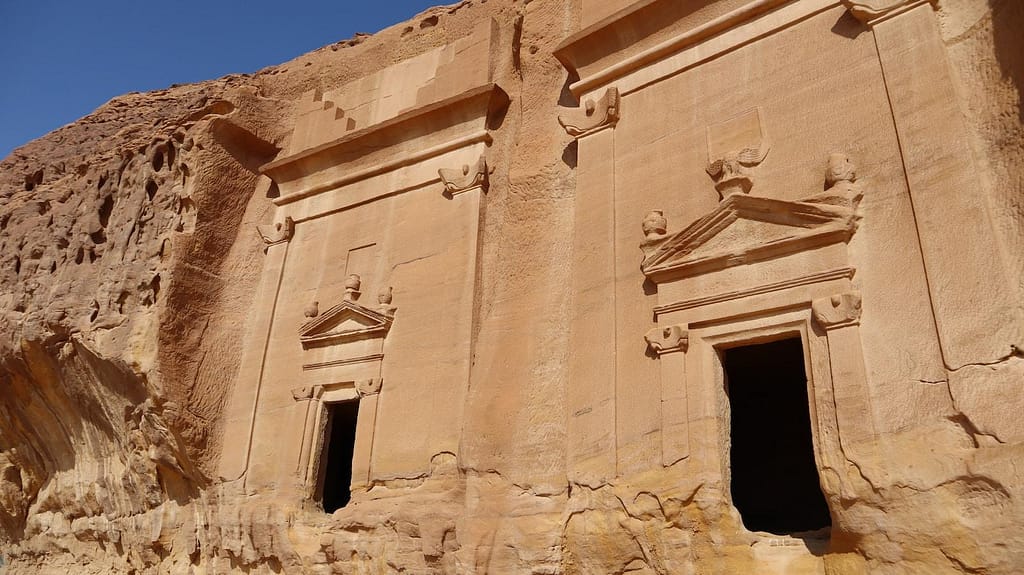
<point>347,321</point>
<point>744,229</point>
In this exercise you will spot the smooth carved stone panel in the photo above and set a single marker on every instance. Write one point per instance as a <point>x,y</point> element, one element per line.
<point>428,262</point>
<point>963,269</point>
<point>591,394</point>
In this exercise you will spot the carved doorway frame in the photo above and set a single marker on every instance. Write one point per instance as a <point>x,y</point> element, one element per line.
<point>707,381</point>
<point>314,434</point>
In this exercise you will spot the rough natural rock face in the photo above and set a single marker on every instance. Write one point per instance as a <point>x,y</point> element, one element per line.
<point>557,259</point>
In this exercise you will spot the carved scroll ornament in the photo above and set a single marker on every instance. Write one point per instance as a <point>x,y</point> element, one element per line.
<point>869,10</point>
<point>731,172</point>
<point>662,340</point>
<point>837,311</point>
<point>369,386</point>
<point>466,178</point>
<point>307,392</point>
<point>592,116</point>
<point>277,233</point>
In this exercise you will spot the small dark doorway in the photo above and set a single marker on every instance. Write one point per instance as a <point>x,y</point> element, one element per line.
<point>339,445</point>
<point>775,483</point>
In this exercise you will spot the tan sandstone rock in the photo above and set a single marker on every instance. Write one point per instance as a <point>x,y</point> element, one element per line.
<point>554,287</point>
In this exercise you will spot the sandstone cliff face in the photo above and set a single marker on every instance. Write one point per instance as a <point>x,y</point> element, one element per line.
<point>130,260</point>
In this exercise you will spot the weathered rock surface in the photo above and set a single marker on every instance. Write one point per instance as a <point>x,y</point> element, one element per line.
<point>165,376</point>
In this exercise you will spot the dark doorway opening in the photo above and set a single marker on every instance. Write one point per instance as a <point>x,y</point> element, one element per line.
<point>339,445</point>
<point>775,483</point>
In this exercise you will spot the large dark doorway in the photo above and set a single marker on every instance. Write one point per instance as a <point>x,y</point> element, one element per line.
<point>774,479</point>
<point>339,444</point>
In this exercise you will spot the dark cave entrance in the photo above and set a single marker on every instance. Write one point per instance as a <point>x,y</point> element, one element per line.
<point>339,445</point>
<point>774,480</point>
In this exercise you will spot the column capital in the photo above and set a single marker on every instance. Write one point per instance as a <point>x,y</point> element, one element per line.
<point>370,386</point>
<point>277,233</point>
<point>837,311</point>
<point>592,116</point>
<point>307,392</point>
<point>467,178</point>
<point>667,339</point>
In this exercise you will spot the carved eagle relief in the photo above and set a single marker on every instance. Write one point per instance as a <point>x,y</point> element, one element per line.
<point>747,157</point>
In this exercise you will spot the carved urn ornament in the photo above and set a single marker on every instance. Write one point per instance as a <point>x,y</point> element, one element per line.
<point>384,300</point>
<point>840,169</point>
<point>841,186</point>
<point>352,285</point>
<point>655,225</point>
<point>655,228</point>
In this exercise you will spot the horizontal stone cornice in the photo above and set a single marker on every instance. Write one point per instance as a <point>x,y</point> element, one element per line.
<point>591,51</point>
<point>413,136</point>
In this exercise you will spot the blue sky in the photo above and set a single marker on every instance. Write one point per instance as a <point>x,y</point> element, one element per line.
<point>61,59</point>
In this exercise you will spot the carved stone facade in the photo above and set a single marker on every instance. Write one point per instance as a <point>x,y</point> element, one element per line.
<point>371,222</point>
<point>767,250</point>
<point>524,244</point>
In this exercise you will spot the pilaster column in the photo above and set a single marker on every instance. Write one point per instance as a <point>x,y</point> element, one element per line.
<point>670,343</point>
<point>309,396</point>
<point>976,316</point>
<point>241,412</point>
<point>591,393</point>
<point>839,316</point>
<point>366,428</point>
